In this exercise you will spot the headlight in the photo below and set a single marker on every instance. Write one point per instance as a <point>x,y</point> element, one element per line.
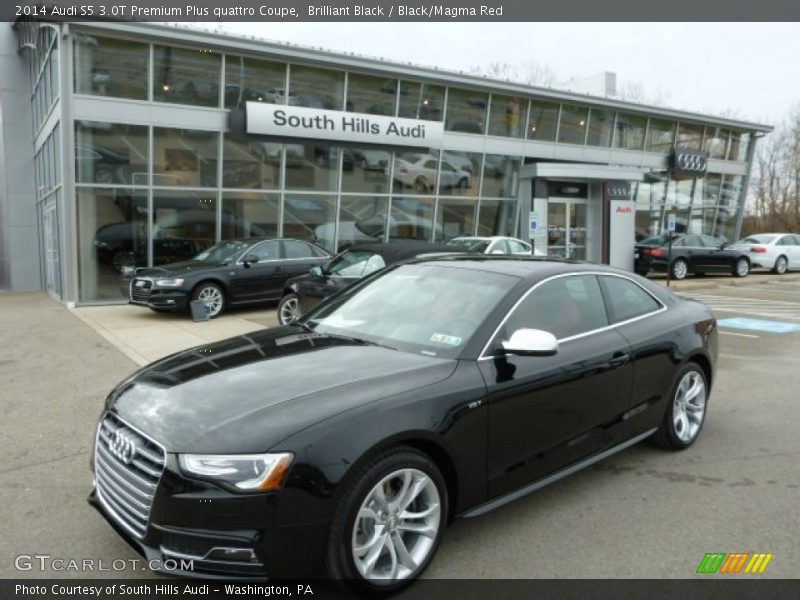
<point>246,472</point>
<point>169,282</point>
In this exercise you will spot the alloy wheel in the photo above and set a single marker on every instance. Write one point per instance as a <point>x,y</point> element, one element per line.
<point>680,269</point>
<point>212,298</point>
<point>781,265</point>
<point>689,406</point>
<point>289,311</point>
<point>742,267</point>
<point>396,527</point>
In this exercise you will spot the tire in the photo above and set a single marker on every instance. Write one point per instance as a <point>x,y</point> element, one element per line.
<point>685,415</point>
<point>354,540</point>
<point>120,259</point>
<point>288,305</point>
<point>463,183</point>
<point>741,268</point>
<point>213,295</point>
<point>421,186</point>
<point>679,269</point>
<point>781,265</point>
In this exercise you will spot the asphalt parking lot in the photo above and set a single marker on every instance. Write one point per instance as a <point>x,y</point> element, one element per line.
<point>644,513</point>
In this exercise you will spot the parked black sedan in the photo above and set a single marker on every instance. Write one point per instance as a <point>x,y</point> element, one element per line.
<point>344,443</point>
<point>303,293</point>
<point>230,273</point>
<point>697,254</point>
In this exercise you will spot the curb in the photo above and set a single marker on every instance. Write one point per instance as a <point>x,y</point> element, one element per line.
<point>706,282</point>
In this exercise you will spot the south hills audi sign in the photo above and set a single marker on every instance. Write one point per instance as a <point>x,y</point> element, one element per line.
<point>320,124</point>
<point>686,163</point>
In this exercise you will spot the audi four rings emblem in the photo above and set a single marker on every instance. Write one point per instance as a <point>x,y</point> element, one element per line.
<point>618,190</point>
<point>122,446</point>
<point>691,162</point>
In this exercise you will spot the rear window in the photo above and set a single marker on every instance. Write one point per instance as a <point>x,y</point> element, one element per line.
<point>626,300</point>
<point>656,240</point>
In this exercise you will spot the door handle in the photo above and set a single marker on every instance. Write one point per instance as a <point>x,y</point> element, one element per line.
<point>618,360</point>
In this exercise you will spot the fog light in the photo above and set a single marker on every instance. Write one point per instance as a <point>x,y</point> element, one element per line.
<point>170,301</point>
<point>232,554</point>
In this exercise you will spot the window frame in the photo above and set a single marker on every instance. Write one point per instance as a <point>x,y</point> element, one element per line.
<point>485,355</point>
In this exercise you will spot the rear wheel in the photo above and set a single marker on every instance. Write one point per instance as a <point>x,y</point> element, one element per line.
<point>680,269</point>
<point>686,412</point>
<point>781,265</point>
<point>388,523</point>
<point>742,267</point>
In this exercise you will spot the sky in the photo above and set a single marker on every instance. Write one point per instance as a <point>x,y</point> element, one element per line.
<point>745,70</point>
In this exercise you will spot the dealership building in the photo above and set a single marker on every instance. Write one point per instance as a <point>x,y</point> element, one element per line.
<point>142,144</point>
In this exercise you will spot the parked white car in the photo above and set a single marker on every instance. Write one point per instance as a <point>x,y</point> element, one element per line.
<point>777,251</point>
<point>496,244</point>
<point>418,171</point>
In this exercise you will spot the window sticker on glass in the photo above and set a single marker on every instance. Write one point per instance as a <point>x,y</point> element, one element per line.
<point>447,340</point>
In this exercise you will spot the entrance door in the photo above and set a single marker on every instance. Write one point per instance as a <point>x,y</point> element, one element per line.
<point>566,229</point>
<point>52,259</point>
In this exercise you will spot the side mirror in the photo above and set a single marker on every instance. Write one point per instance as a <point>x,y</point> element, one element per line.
<point>249,260</point>
<point>317,271</point>
<point>531,342</point>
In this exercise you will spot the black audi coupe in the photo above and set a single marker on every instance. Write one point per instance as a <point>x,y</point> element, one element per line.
<point>342,445</point>
<point>232,272</point>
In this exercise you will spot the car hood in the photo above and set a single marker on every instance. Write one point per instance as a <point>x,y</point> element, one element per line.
<point>179,268</point>
<point>248,393</point>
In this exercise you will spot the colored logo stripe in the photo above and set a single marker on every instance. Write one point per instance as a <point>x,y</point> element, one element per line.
<point>734,562</point>
<point>711,562</point>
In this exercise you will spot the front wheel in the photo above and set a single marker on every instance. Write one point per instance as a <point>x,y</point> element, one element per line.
<point>212,296</point>
<point>289,309</point>
<point>781,265</point>
<point>686,412</point>
<point>680,269</point>
<point>388,523</point>
<point>742,267</point>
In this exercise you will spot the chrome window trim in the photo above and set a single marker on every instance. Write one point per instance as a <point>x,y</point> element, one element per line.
<point>485,356</point>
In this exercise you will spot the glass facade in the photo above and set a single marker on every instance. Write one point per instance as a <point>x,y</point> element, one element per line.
<point>186,75</point>
<point>466,111</point>
<point>150,195</point>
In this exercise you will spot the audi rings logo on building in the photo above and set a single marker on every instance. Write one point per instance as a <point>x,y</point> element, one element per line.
<point>689,162</point>
<point>122,446</point>
<point>617,190</point>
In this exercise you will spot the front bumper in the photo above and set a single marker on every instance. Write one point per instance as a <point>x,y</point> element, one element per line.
<point>200,530</point>
<point>166,299</point>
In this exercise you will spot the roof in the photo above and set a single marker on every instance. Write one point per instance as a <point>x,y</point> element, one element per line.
<point>396,251</point>
<point>350,61</point>
<point>528,267</point>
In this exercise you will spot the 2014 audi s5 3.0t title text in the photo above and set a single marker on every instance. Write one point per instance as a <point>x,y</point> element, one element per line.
<point>342,444</point>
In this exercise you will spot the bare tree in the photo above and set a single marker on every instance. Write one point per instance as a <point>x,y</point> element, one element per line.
<point>528,72</point>
<point>774,199</point>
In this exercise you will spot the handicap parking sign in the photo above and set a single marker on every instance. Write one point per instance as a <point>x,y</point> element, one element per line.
<point>760,325</point>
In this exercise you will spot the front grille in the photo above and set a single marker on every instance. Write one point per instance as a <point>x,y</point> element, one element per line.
<point>141,293</point>
<point>127,468</point>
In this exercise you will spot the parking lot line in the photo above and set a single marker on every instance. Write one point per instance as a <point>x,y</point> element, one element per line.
<point>747,335</point>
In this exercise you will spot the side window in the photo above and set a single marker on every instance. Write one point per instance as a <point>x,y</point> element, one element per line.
<point>518,247</point>
<point>296,249</point>
<point>710,242</point>
<point>693,241</point>
<point>564,306</point>
<point>351,264</point>
<point>375,263</point>
<point>500,247</point>
<point>626,300</point>
<point>265,251</point>
<point>796,240</point>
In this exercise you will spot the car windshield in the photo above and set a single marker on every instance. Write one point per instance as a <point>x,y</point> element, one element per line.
<point>222,252</point>
<point>355,263</point>
<point>421,308</point>
<point>757,239</point>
